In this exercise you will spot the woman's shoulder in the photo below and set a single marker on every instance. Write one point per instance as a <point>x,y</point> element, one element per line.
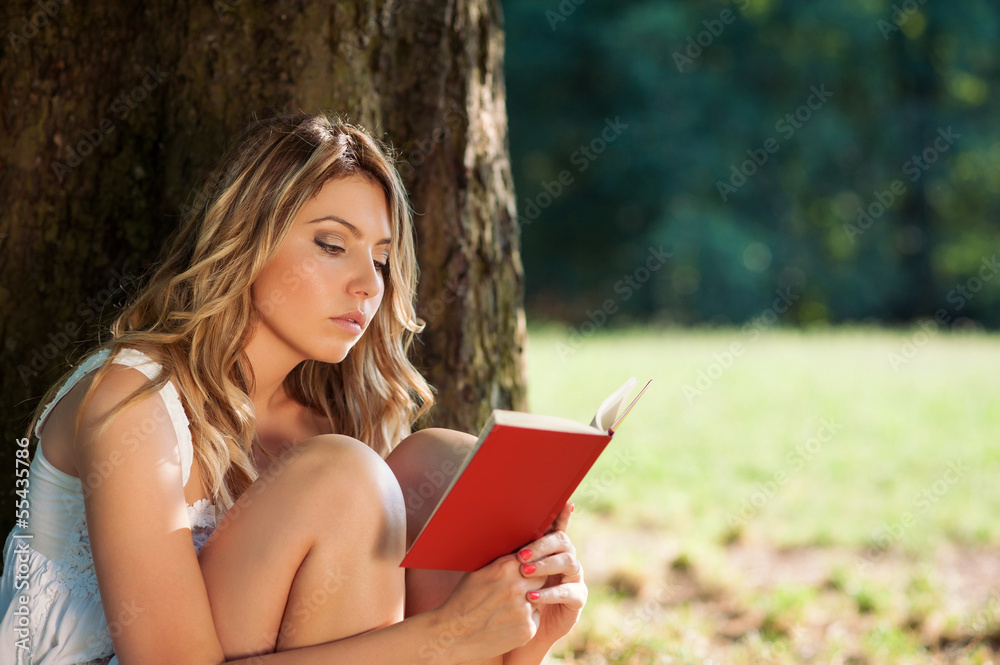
<point>123,383</point>
<point>118,383</point>
<point>56,426</point>
<point>129,372</point>
<point>83,374</point>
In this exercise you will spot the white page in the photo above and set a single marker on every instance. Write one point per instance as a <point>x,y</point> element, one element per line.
<point>608,412</point>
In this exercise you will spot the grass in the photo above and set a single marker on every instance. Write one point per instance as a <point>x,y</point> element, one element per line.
<point>785,485</point>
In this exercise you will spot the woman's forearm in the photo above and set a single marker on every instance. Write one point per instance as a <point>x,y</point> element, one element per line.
<point>530,654</point>
<point>423,639</point>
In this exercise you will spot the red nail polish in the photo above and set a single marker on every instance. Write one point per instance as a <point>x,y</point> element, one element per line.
<point>572,507</point>
<point>525,554</point>
<point>529,568</point>
<point>534,595</point>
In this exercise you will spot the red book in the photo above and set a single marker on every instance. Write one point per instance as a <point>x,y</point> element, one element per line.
<point>513,485</point>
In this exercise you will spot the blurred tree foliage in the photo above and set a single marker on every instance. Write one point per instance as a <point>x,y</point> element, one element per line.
<point>845,153</point>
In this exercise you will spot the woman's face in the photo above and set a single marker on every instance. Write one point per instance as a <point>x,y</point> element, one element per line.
<point>329,265</point>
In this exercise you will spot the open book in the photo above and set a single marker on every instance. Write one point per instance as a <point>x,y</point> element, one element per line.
<point>513,484</point>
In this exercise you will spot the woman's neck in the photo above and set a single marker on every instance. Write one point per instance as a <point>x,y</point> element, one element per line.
<point>271,362</point>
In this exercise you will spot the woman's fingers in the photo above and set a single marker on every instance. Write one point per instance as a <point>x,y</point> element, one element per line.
<point>551,543</point>
<point>562,519</point>
<point>571,594</point>
<point>565,564</point>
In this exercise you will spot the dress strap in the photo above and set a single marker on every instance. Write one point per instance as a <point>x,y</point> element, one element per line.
<point>85,367</point>
<point>171,399</point>
<point>182,426</point>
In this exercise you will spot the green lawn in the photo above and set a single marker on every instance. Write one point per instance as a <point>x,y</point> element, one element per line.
<point>881,444</point>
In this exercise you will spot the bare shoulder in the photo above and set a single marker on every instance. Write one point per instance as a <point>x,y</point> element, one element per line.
<point>143,426</point>
<point>117,384</point>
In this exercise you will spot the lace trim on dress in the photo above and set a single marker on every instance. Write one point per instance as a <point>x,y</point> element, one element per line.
<point>201,514</point>
<point>76,575</point>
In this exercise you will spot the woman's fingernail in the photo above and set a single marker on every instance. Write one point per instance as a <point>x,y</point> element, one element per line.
<point>529,568</point>
<point>534,595</point>
<point>525,554</point>
<point>572,507</point>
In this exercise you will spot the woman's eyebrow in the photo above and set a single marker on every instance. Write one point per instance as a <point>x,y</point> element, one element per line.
<point>355,231</point>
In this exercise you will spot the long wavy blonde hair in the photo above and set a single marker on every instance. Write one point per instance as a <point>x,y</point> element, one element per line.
<point>195,315</point>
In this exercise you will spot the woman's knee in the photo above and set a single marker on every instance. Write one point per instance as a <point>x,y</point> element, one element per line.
<point>338,477</point>
<point>339,455</point>
<point>345,462</point>
<point>424,464</point>
<point>430,448</point>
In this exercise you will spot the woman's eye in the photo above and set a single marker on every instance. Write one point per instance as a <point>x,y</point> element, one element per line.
<point>330,249</point>
<point>335,249</point>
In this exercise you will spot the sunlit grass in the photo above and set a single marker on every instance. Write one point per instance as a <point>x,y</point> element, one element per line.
<point>865,451</point>
<point>806,438</point>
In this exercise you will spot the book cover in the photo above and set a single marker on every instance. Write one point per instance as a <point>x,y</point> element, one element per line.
<point>512,486</point>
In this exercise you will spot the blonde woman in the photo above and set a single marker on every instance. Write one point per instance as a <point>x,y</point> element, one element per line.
<point>222,480</point>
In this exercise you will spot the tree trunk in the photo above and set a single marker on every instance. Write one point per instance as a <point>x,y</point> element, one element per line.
<point>112,111</point>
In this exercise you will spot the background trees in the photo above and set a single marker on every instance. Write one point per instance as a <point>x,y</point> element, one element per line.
<point>702,88</point>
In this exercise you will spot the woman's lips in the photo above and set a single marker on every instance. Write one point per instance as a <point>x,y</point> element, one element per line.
<point>349,326</point>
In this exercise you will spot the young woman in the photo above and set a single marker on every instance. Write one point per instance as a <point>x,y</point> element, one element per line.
<point>222,480</point>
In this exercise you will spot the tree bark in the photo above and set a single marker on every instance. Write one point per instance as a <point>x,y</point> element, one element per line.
<point>113,110</point>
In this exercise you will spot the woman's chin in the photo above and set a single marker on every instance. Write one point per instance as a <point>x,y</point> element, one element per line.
<point>333,356</point>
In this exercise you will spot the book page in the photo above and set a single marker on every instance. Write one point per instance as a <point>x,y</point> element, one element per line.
<point>539,421</point>
<point>607,413</point>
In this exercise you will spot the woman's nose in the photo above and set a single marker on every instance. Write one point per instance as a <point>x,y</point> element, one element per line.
<point>366,282</point>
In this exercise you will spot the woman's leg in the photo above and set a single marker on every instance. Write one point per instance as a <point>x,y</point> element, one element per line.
<point>424,464</point>
<point>310,552</point>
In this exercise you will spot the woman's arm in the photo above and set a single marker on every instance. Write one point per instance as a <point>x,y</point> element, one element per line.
<point>412,640</point>
<point>152,589</point>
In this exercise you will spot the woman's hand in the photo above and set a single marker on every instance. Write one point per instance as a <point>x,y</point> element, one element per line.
<point>561,598</point>
<point>487,614</point>
<point>491,611</point>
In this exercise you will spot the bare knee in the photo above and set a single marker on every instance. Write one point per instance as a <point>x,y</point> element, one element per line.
<point>429,447</point>
<point>338,453</point>
<point>342,480</point>
<point>424,465</point>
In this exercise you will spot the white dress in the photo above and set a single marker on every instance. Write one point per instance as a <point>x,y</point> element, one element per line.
<point>49,600</point>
